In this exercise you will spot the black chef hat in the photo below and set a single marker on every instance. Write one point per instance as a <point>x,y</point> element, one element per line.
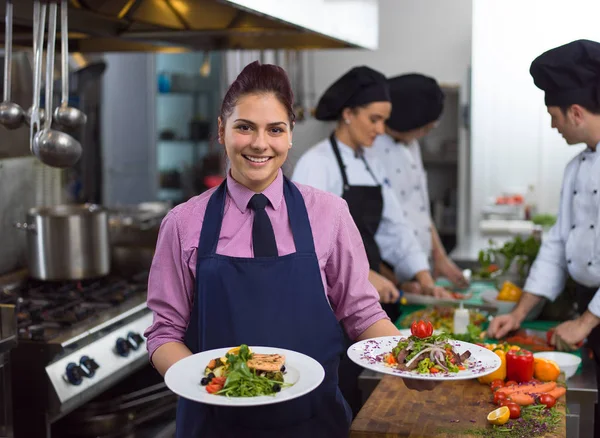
<point>569,74</point>
<point>416,101</point>
<point>360,86</point>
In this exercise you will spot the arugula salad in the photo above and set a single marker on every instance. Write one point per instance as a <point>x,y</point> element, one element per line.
<point>242,373</point>
<point>426,355</point>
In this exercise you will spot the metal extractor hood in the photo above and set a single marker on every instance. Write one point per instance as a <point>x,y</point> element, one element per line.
<point>193,25</point>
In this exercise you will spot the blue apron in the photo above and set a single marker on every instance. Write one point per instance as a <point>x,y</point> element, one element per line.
<point>268,301</point>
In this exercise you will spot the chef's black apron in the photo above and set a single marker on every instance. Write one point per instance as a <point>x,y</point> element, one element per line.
<point>366,207</point>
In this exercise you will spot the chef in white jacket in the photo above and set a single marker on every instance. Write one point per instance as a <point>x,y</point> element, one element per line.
<point>570,77</point>
<point>344,164</point>
<point>417,103</point>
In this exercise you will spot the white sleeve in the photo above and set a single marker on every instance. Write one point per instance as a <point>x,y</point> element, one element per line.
<point>594,306</point>
<point>313,169</point>
<point>396,240</point>
<point>548,273</point>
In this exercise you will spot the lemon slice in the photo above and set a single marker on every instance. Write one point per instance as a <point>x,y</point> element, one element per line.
<point>236,350</point>
<point>499,416</point>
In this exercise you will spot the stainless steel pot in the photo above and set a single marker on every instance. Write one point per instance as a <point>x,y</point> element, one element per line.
<point>67,242</point>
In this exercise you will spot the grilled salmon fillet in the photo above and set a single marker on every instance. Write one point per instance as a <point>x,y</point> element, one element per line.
<point>266,362</point>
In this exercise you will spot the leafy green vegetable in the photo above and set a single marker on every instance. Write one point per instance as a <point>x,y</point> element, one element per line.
<point>424,366</point>
<point>243,382</point>
<point>473,334</point>
<point>522,252</point>
<point>545,220</point>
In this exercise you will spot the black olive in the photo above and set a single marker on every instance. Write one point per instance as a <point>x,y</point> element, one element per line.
<point>276,387</point>
<point>211,376</point>
<point>283,368</point>
<point>204,381</point>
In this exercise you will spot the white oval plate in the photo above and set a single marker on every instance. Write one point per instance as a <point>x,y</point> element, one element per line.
<point>183,378</point>
<point>369,353</point>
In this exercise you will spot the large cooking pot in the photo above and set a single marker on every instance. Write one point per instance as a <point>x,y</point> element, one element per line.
<point>133,235</point>
<point>67,242</point>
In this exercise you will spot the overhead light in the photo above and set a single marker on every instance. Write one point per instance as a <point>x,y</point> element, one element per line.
<point>205,67</point>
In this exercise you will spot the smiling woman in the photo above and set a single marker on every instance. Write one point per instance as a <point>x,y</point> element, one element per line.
<point>261,261</point>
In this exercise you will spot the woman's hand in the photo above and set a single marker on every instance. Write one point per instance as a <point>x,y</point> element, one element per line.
<point>386,289</point>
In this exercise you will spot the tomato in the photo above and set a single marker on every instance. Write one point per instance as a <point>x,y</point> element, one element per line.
<point>496,384</point>
<point>498,397</point>
<point>219,381</point>
<point>510,383</point>
<point>547,399</point>
<point>421,329</point>
<point>515,410</point>
<point>212,388</point>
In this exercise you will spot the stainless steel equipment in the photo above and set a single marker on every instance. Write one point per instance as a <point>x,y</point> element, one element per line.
<point>77,339</point>
<point>67,242</point>
<point>8,340</point>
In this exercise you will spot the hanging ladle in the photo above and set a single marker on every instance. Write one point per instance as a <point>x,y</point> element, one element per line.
<point>52,147</point>
<point>35,116</point>
<point>66,115</point>
<point>11,114</point>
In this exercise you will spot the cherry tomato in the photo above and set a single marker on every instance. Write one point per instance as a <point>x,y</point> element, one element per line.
<point>421,329</point>
<point>515,410</point>
<point>212,388</point>
<point>219,381</point>
<point>498,397</point>
<point>547,399</point>
<point>496,384</point>
<point>510,383</point>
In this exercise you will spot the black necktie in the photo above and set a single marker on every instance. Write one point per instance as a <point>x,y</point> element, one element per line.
<point>263,237</point>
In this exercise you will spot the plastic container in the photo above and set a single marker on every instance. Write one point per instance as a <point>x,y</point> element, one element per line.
<point>461,320</point>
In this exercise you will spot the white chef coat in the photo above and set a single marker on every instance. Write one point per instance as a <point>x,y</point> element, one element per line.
<point>573,244</point>
<point>395,238</point>
<point>404,167</point>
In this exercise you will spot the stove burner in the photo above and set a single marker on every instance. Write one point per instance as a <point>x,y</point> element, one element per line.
<point>44,308</point>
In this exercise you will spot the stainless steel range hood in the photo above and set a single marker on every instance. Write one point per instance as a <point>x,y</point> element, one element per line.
<point>192,25</point>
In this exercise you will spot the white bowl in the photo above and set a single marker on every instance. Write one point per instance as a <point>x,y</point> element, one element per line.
<point>504,307</point>
<point>567,362</point>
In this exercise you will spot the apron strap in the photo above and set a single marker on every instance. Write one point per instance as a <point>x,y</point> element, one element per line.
<point>298,217</point>
<point>338,157</point>
<point>297,214</point>
<point>213,218</point>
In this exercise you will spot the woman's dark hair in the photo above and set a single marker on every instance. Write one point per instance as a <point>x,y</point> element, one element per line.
<point>257,78</point>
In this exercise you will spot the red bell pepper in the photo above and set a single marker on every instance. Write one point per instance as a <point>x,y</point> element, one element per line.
<point>519,365</point>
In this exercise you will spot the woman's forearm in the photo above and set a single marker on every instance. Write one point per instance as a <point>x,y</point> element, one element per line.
<point>167,354</point>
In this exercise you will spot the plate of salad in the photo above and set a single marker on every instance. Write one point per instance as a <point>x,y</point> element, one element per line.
<point>424,355</point>
<point>244,376</point>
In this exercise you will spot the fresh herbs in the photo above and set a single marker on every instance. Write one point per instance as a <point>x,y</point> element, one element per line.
<point>244,382</point>
<point>520,251</point>
<point>473,335</point>
<point>535,421</point>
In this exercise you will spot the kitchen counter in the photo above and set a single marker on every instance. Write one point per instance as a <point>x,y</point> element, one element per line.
<point>393,410</point>
<point>582,395</point>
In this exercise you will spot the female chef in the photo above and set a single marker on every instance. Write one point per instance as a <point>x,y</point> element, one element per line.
<point>417,103</point>
<point>262,261</point>
<point>343,164</point>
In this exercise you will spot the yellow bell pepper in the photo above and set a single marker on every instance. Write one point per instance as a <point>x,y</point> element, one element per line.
<point>500,373</point>
<point>509,292</point>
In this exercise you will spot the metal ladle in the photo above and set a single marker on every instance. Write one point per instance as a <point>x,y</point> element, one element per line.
<point>35,117</point>
<point>52,147</point>
<point>66,115</point>
<point>11,114</point>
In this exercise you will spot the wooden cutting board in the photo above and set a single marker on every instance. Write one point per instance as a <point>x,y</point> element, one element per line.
<point>393,410</point>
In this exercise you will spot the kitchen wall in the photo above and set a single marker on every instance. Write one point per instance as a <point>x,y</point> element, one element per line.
<point>432,37</point>
<point>513,144</point>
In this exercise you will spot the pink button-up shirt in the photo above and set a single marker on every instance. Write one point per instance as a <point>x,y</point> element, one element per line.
<point>338,245</point>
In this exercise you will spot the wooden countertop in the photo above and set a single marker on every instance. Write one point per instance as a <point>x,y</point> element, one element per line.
<point>393,410</point>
